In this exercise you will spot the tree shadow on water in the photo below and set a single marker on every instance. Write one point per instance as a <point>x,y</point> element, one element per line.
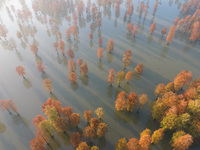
<point>27,83</point>
<point>74,86</point>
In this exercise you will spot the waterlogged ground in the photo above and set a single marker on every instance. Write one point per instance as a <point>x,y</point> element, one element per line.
<point>161,64</point>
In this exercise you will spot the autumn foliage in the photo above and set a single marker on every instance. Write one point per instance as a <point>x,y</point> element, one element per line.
<point>171,34</point>
<point>110,45</point>
<point>84,69</point>
<point>48,85</point>
<point>87,115</point>
<point>139,68</point>
<point>111,76</point>
<point>152,28</point>
<point>20,71</point>
<point>73,77</point>
<point>100,53</point>
<point>75,139</point>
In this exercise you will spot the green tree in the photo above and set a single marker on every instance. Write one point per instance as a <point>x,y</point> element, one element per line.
<point>121,144</point>
<point>169,122</point>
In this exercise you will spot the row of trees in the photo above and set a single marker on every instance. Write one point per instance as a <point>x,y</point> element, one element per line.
<point>128,103</point>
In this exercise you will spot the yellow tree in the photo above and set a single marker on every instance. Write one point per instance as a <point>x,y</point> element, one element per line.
<point>157,136</point>
<point>120,77</point>
<point>48,85</point>
<point>99,112</point>
<point>142,101</point>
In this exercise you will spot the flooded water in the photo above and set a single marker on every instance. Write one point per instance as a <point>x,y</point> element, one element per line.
<point>161,63</point>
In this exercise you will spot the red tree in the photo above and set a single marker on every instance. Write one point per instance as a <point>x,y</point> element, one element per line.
<point>20,71</point>
<point>164,31</point>
<point>111,76</point>
<point>152,28</point>
<point>70,53</point>
<point>75,139</point>
<point>110,45</point>
<point>130,27</point>
<point>40,67</point>
<point>100,53</point>
<point>73,77</point>
<point>34,48</point>
<point>171,34</point>
<point>139,68</point>
<point>84,69</point>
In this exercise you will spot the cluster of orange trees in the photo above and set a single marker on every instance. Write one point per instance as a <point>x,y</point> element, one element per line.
<point>63,120</point>
<point>129,102</point>
<point>178,111</point>
<point>143,144</point>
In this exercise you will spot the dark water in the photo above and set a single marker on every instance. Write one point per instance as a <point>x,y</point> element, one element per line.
<point>161,64</point>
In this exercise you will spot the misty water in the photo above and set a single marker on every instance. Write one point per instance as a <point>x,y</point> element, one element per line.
<point>161,63</point>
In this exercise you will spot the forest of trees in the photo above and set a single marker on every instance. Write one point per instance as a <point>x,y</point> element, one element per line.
<point>176,107</point>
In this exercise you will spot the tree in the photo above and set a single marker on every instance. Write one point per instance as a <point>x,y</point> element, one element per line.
<point>46,127</point>
<point>40,67</point>
<point>145,132</point>
<point>19,35</point>
<point>131,101</point>
<point>34,48</point>
<point>100,53</point>
<point>100,41</point>
<point>127,58</point>
<point>70,53</point>
<point>89,133</point>
<point>99,112</point>
<point>130,27</point>
<point>91,36</point>
<point>183,142</point>
<point>75,139</point>
<point>164,31</point>
<point>67,112</point>
<point>135,31</point>
<point>121,144</point>
<point>157,136</point>
<point>152,28</point>
<point>94,122</point>
<point>5,105</point>
<point>37,120</point>
<point>84,69</point>
<point>194,32</point>
<point>83,146</point>
<point>145,141</point>
<point>37,143</point>
<point>111,76</point>
<point>52,113</point>
<point>71,65</point>
<point>94,148</point>
<point>75,119</point>
<point>73,77</point>
<point>183,78</point>
<point>133,144</point>
<point>160,90</point>
<point>183,120</point>
<point>110,45</point>
<point>171,34</point>
<point>55,45</point>
<point>176,21</point>
<point>169,87</point>
<point>176,135</point>
<point>142,101</point>
<point>180,24</point>
<point>139,68</point>
<point>68,34</point>
<point>60,124</point>
<point>20,71</point>
<point>102,129</point>
<point>87,115</point>
<point>169,122</point>
<point>120,103</point>
<point>194,107</point>
<point>48,85</point>
<point>79,62</point>
<point>120,77</point>
<point>62,47</point>
<point>60,35</point>
<point>129,76</point>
